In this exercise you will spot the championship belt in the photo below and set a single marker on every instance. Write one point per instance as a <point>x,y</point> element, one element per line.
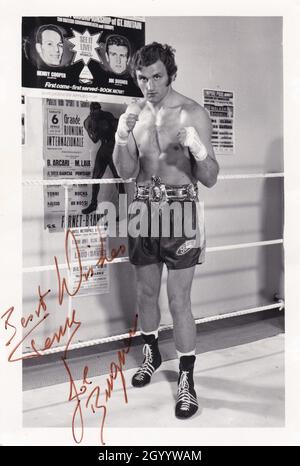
<point>157,190</point>
<point>160,193</point>
<point>192,192</point>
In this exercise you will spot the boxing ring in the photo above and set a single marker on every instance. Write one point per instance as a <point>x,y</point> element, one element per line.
<point>278,301</point>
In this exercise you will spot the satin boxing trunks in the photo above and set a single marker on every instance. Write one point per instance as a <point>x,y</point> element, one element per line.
<point>169,226</point>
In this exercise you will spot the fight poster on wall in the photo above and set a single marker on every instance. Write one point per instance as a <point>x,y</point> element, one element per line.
<point>73,135</point>
<point>81,54</point>
<point>91,243</point>
<point>220,106</point>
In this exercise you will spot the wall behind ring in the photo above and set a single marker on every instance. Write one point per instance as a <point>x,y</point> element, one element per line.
<point>240,54</point>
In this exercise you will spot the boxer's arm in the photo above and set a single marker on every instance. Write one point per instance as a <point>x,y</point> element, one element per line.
<point>206,167</point>
<point>126,159</point>
<point>125,155</point>
<point>94,136</point>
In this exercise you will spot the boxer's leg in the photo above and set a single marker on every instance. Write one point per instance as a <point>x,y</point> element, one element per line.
<point>148,288</point>
<point>179,295</point>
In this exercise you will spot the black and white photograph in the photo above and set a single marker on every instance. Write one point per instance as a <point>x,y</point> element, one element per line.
<point>148,284</point>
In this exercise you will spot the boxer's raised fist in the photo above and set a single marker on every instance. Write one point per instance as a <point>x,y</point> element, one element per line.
<point>188,137</point>
<point>127,122</point>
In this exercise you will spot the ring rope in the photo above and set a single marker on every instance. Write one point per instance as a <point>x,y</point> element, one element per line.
<point>67,182</point>
<point>203,320</point>
<point>243,245</point>
<point>251,176</point>
<point>70,182</point>
<point>45,268</point>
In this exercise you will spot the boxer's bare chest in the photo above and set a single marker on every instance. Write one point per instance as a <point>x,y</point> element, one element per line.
<point>156,133</point>
<point>159,150</point>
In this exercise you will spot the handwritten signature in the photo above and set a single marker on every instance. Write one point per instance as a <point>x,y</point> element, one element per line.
<point>35,319</point>
<point>39,316</point>
<point>93,397</point>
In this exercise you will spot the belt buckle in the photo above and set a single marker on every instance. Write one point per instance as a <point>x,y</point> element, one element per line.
<point>157,190</point>
<point>191,192</point>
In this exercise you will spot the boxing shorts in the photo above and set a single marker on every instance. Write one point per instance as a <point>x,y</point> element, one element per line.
<point>166,224</point>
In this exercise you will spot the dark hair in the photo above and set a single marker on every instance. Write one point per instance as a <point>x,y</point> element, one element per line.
<point>118,40</point>
<point>95,106</point>
<point>46,27</point>
<point>150,54</point>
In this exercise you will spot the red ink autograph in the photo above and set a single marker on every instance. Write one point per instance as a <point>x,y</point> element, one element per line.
<point>41,314</point>
<point>70,326</point>
<point>62,282</point>
<point>93,395</point>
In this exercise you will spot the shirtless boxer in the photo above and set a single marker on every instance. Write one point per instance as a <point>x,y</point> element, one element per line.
<point>165,142</point>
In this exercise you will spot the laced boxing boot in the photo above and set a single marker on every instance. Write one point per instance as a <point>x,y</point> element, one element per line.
<point>186,404</point>
<point>151,362</point>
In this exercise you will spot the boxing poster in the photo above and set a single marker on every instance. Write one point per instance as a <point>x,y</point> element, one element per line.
<point>90,243</point>
<point>65,157</point>
<point>220,106</point>
<point>81,54</point>
<point>73,132</point>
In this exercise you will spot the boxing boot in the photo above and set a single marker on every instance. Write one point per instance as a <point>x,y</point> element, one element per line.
<point>186,404</point>
<point>151,362</point>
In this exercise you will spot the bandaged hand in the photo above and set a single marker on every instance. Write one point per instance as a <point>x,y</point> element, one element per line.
<point>127,122</point>
<point>188,137</point>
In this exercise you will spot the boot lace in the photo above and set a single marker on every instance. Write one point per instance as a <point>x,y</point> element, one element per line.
<point>146,367</point>
<point>185,397</point>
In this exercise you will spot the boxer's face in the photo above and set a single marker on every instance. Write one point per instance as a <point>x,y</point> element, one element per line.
<point>117,58</point>
<point>51,48</point>
<point>153,81</point>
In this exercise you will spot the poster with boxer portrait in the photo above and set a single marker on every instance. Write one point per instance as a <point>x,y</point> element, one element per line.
<point>81,54</point>
<point>70,153</point>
